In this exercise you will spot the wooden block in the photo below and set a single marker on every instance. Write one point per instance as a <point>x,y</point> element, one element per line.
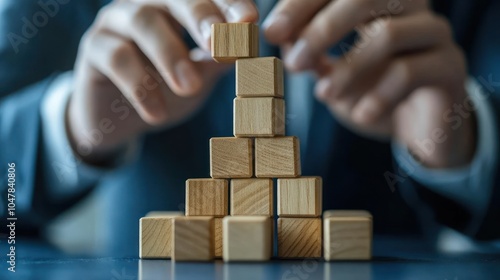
<point>207,197</point>
<point>164,213</point>
<point>259,77</point>
<point>347,235</point>
<point>252,197</point>
<point>277,157</point>
<point>193,239</point>
<point>299,237</point>
<point>247,238</point>
<point>259,117</point>
<point>300,197</point>
<point>347,213</point>
<point>218,237</point>
<point>231,157</point>
<point>231,41</point>
<point>155,237</point>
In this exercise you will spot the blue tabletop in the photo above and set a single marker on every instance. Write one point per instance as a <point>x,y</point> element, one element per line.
<point>394,258</point>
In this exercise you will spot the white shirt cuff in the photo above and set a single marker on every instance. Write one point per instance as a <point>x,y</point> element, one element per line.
<point>470,186</point>
<point>62,166</point>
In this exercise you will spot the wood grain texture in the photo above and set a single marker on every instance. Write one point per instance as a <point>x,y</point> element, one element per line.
<point>247,238</point>
<point>193,239</point>
<point>299,237</point>
<point>259,117</point>
<point>164,214</point>
<point>155,237</point>
<point>252,197</point>
<point>231,41</point>
<point>277,157</point>
<point>300,197</point>
<point>231,157</point>
<point>347,235</point>
<point>218,237</point>
<point>259,77</point>
<point>347,213</point>
<point>207,197</point>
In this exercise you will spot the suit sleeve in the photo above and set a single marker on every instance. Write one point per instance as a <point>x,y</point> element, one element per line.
<point>40,39</point>
<point>464,199</point>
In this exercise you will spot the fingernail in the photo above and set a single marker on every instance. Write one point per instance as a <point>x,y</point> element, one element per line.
<point>298,57</point>
<point>206,29</point>
<point>237,11</point>
<point>187,76</point>
<point>277,24</point>
<point>367,110</point>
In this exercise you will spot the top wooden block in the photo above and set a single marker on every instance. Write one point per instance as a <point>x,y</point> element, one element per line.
<point>231,41</point>
<point>259,77</point>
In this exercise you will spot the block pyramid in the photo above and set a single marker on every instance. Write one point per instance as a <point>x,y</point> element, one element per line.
<point>244,169</point>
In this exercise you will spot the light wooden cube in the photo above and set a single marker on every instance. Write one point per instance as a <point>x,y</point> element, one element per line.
<point>247,238</point>
<point>231,157</point>
<point>347,235</point>
<point>300,197</point>
<point>155,237</point>
<point>299,237</point>
<point>231,41</point>
<point>250,197</point>
<point>218,237</point>
<point>259,77</point>
<point>207,197</point>
<point>259,117</point>
<point>277,157</point>
<point>193,239</point>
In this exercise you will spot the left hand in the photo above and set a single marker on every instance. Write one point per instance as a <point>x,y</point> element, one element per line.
<point>400,80</point>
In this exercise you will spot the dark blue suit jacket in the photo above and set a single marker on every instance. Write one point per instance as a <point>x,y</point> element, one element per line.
<point>352,167</point>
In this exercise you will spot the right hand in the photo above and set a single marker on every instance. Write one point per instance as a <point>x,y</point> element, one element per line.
<point>134,72</point>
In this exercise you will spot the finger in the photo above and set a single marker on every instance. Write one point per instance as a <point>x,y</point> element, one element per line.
<point>336,21</point>
<point>127,69</point>
<point>148,27</point>
<point>180,108</point>
<point>438,67</point>
<point>238,10</point>
<point>390,39</point>
<point>288,18</point>
<point>197,16</point>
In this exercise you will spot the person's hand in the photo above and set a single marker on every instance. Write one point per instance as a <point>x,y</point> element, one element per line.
<point>134,72</point>
<point>400,80</point>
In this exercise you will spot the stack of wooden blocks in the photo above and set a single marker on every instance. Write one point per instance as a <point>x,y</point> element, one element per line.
<point>244,166</point>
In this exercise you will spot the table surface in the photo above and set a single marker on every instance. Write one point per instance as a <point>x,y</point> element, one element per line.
<point>394,258</point>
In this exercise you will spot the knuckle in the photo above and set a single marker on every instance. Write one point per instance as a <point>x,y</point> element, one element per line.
<point>200,7</point>
<point>388,32</point>
<point>144,16</point>
<point>443,26</point>
<point>121,55</point>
